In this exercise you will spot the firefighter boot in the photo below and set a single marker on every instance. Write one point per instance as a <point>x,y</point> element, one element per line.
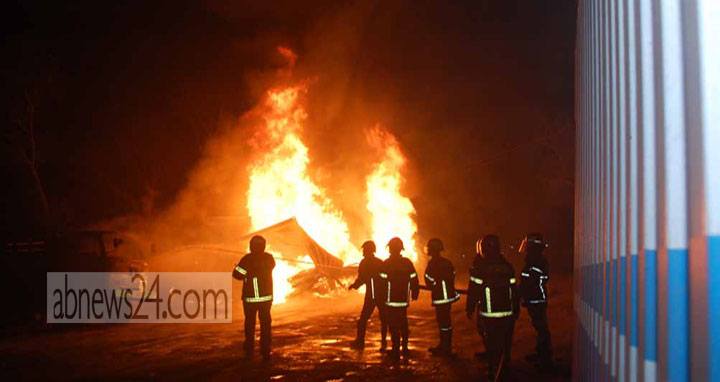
<point>383,333</point>
<point>394,353</point>
<point>359,342</point>
<point>248,346</point>
<point>435,350</point>
<point>445,347</point>
<point>446,342</point>
<point>405,350</point>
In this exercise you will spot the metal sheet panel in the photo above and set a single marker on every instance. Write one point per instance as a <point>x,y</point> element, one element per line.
<point>648,192</point>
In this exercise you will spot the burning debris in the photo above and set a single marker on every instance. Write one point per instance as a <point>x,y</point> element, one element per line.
<point>280,186</point>
<point>272,193</point>
<point>302,265</point>
<point>281,190</point>
<point>320,284</point>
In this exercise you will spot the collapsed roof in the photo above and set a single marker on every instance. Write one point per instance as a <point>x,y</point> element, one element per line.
<point>290,240</point>
<point>287,241</point>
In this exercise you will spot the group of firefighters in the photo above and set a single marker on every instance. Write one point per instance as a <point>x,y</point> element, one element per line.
<point>494,296</point>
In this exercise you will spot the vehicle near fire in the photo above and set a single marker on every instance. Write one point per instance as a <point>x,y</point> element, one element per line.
<point>26,262</point>
<point>94,251</point>
<point>78,251</point>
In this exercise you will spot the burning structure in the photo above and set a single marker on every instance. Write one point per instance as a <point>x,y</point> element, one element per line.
<point>304,227</point>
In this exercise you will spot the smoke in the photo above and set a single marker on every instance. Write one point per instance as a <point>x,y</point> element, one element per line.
<point>479,98</point>
<point>211,207</point>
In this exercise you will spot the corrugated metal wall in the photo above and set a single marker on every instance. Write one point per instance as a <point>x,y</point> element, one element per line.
<point>647,212</point>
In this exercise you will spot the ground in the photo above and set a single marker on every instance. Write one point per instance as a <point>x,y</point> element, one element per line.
<point>310,342</point>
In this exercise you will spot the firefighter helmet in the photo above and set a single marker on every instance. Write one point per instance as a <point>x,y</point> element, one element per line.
<point>434,245</point>
<point>257,244</point>
<point>532,240</point>
<point>395,244</point>
<point>369,245</point>
<point>489,244</point>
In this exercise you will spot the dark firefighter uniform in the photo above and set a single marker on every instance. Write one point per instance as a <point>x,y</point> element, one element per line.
<point>493,292</point>
<point>369,275</point>
<point>533,290</point>
<point>402,283</point>
<point>440,278</point>
<point>255,270</point>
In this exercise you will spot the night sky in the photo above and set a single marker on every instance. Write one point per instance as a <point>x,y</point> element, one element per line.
<point>479,93</point>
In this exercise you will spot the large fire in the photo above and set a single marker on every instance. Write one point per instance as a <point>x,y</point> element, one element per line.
<point>391,211</point>
<point>281,187</point>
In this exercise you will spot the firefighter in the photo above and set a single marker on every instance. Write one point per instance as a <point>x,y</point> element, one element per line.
<point>440,278</point>
<point>533,290</point>
<point>255,270</point>
<point>492,291</point>
<point>369,275</point>
<point>402,284</point>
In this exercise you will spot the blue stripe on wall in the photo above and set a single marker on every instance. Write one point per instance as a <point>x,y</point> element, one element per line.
<point>634,300</point>
<point>714,307</point>
<point>593,298</point>
<point>613,265</point>
<point>589,286</point>
<point>650,304</point>
<point>678,308</point>
<point>608,290</point>
<point>596,287</point>
<point>621,286</point>
<point>587,277</point>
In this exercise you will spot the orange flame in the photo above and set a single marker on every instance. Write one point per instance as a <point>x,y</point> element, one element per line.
<point>392,212</point>
<point>282,273</point>
<point>281,188</point>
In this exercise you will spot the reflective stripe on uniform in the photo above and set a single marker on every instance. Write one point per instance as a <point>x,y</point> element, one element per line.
<point>512,280</point>
<point>444,290</point>
<point>447,300</point>
<point>388,292</point>
<point>383,275</point>
<point>429,278</point>
<point>535,301</point>
<point>448,329</point>
<point>372,288</point>
<point>523,274</point>
<point>240,270</point>
<point>413,275</point>
<point>487,299</point>
<point>496,314</point>
<point>396,304</point>
<point>255,285</point>
<point>543,277</point>
<point>489,312</point>
<point>476,280</point>
<point>536,269</point>
<point>258,299</point>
